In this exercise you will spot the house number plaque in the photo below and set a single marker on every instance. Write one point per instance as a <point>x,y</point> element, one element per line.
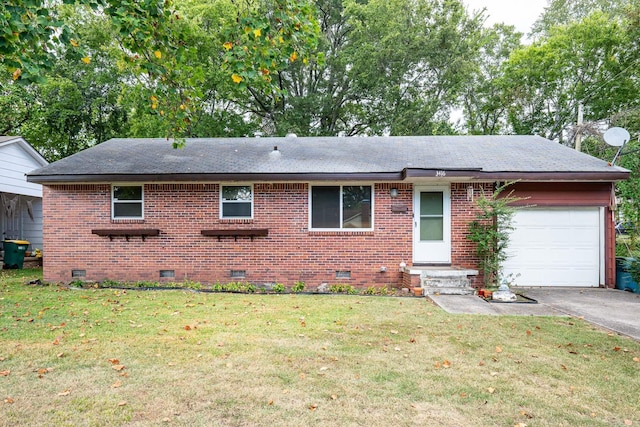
<point>441,173</point>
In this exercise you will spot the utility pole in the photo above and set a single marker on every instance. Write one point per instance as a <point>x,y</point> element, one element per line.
<point>579,128</point>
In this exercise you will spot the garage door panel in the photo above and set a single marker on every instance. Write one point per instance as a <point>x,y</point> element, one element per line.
<point>555,247</point>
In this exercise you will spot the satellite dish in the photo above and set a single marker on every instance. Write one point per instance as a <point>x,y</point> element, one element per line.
<point>616,137</point>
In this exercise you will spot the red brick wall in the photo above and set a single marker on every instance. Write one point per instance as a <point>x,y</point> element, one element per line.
<point>463,210</point>
<point>180,211</point>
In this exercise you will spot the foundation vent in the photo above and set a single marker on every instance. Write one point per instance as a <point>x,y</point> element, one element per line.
<point>343,274</point>
<point>167,273</point>
<point>78,273</point>
<point>238,274</point>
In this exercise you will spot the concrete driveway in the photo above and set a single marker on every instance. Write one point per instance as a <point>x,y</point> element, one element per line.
<point>611,309</point>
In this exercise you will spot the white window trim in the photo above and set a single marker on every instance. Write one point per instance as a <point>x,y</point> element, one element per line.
<point>236,184</point>
<point>344,184</point>
<point>113,202</point>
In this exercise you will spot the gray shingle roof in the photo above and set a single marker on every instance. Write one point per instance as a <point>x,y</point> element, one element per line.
<point>323,155</point>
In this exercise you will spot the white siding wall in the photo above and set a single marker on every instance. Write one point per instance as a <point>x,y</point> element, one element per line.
<point>32,229</point>
<point>15,162</point>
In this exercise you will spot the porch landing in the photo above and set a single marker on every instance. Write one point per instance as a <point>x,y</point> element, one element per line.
<point>438,280</point>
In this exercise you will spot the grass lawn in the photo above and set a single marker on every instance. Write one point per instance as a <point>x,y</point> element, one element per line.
<point>113,357</point>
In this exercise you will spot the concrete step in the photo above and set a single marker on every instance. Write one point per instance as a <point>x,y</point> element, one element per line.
<point>446,282</point>
<point>447,286</point>
<point>443,280</point>
<point>447,290</point>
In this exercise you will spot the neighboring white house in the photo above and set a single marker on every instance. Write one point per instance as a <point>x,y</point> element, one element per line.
<point>20,201</point>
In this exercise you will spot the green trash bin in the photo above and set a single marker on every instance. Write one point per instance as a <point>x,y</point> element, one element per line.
<point>624,281</point>
<point>14,253</point>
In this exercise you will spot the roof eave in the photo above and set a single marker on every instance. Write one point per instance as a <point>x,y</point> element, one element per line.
<point>478,174</point>
<point>216,177</point>
<point>474,174</point>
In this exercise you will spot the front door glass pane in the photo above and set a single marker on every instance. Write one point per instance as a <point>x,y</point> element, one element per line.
<point>431,215</point>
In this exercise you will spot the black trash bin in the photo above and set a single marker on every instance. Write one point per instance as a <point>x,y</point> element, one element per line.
<point>14,251</point>
<point>624,281</point>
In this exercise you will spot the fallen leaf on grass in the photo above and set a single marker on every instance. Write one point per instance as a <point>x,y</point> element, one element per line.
<point>123,403</point>
<point>118,367</point>
<point>393,332</point>
<point>313,407</point>
<point>187,328</point>
<point>636,359</point>
<point>446,364</point>
<point>9,400</point>
<point>116,384</point>
<point>628,422</point>
<point>334,397</point>
<point>5,373</point>
<point>114,361</point>
<point>491,390</point>
<point>42,371</point>
<point>64,393</point>
<point>498,349</point>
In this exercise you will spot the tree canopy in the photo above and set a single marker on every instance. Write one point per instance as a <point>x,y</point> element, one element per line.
<point>75,73</point>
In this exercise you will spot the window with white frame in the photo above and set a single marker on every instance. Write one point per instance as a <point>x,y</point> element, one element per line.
<point>341,207</point>
<point>127,202</point>
<point>236,201</point>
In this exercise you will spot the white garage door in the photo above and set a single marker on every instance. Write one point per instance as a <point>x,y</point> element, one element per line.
<point>555,247</point>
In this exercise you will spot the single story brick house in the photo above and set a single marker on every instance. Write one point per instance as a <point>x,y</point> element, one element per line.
<point>362,211</point>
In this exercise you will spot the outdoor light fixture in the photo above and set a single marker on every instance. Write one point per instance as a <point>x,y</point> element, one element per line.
<point>470,193</point>
<point>394,192</point>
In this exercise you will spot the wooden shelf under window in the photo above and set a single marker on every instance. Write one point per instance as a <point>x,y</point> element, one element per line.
<point>235,233</point>
<point>126,233</point>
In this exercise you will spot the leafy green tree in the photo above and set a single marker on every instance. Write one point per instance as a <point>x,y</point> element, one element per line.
<point>485,102</point>
<point>154,46</point>
<point>585,62</point>
<point>411,67</point>
<point>562,12</point>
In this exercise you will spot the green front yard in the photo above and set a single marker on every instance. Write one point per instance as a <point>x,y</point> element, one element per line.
<point>167,357</point>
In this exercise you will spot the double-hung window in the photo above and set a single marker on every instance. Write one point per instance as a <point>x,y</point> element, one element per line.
<point>341,207</point>
<point>236,201</point>
<point>127,202</point>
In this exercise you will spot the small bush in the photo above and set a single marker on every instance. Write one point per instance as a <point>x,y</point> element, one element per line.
<point>342,289</point>
<point>278,288</point>
<point>108,283</point>
<point>189,284</point>
<point>298,286</point>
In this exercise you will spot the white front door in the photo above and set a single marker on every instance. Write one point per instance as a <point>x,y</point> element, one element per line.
<point>432,225</point>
